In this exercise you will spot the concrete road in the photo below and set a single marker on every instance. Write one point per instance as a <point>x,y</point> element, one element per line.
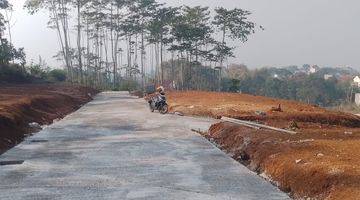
<point>114,148</point>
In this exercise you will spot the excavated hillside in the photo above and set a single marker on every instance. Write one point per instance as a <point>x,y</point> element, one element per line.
<point>23,108</point>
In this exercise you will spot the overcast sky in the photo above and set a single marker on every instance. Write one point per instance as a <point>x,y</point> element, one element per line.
<point>322,32</point>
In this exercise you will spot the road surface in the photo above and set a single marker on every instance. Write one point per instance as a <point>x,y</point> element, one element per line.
<point>114,148</point>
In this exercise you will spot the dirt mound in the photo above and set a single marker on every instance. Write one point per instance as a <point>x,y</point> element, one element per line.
<point>319,162</point>
<point>320,166</point>
<point>21,105</point>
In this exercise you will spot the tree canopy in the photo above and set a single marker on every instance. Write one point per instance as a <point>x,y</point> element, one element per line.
<point>130,40</point>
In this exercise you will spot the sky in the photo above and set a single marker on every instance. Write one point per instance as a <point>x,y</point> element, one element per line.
<point>322,32</point>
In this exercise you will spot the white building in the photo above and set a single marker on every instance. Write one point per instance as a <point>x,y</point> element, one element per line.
<point>328,76</point>
<point>357,81</point>
<point>313,69</point>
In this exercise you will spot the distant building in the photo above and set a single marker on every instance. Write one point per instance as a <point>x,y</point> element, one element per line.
<point>313,69</point>
<point>357,81</point>
<point>328,76</point>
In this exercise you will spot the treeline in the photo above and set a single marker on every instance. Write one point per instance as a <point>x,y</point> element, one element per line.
<point>122,41</point>
<point>13,67</point>
<point>33,73</point>
<point>8,53</point>
<point>308,88</point>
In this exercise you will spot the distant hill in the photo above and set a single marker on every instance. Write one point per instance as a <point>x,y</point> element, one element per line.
<point>338,71</point>
<point>321,71</point>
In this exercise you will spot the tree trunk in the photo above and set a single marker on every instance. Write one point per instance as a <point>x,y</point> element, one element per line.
<point>129,56</point>
<point>161,60</point>
<point>107,69</point>
<point>101,60</point>
<point>223,43</point>
<point>88,50</point>
<point>79,42</point>
<point>98,59</point>
<point>172,67</point>
<point>142,61</point>
<point>66,39</point>
<point>113,50</point>
<point>116,50</point>
<point>58,28</point>
<point>157,67</point>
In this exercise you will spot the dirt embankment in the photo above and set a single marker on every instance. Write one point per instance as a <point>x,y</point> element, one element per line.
<point>319,162</point>
<point>21,105</point>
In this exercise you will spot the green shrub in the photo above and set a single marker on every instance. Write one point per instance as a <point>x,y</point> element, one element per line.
<point>127,85</point>
<point>57,75</point>
<point>32,74</point>
<point>13,74</point>
<point>37,72</point>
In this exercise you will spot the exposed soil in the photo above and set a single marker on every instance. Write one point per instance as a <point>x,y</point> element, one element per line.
<point>321,161</point>
<point>21,105</point>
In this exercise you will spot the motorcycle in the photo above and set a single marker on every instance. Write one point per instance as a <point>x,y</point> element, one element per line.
<point>158,103</point>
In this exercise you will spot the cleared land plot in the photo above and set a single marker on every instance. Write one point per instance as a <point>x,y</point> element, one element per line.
<point>321,161</point>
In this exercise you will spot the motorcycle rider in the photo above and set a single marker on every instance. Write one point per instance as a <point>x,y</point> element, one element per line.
<point>160,94</point>
<point>157,101</point>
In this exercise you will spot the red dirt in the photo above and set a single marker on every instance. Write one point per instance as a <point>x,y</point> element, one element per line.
<point>319,162</point>
<point>40,103</point>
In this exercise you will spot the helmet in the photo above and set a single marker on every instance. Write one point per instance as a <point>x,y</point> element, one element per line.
<point>160,89</point>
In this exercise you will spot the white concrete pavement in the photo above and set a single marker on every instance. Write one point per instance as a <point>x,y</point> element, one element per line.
<point>115,148</point>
